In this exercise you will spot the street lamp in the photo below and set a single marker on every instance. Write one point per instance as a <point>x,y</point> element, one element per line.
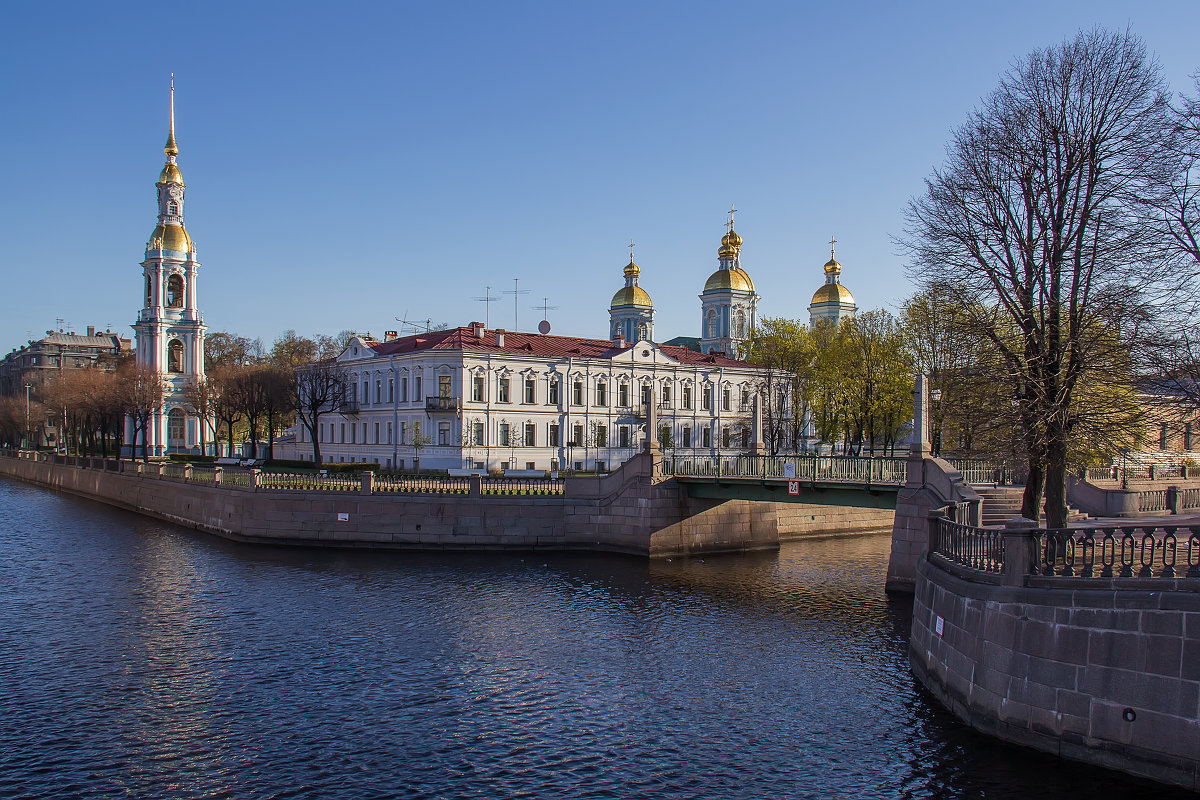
<point>28,386</point>
<point>935,395</point>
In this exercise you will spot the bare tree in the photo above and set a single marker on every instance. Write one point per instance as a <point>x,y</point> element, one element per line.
<point>142,393</point>
<point>200,394</point>
<point>319,388</point>
<point>1032,225</point>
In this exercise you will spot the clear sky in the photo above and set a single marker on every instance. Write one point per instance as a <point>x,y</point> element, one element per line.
<point>347,164</point>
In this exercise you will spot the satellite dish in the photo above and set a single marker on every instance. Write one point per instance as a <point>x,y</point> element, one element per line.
<point>544,326</point>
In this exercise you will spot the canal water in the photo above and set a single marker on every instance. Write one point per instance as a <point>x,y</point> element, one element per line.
<point>142,660</point>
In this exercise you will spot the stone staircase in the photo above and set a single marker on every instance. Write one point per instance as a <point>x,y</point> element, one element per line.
<point>1002,503</point>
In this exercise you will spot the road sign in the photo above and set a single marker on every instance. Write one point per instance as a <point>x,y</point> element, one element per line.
<point>793,487</point>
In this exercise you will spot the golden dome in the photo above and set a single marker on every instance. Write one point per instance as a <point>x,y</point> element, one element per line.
<point>171,237</point>
<point>832,293</point>
<point>732,239</point>
<point>632,270</point>
<point>170,174</point>
<point>832,266</point>
<point>737,279</point>
<point>631,296</point>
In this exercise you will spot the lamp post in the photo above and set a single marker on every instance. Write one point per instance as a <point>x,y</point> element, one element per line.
<point>935,395</point>
<point>28,386</point>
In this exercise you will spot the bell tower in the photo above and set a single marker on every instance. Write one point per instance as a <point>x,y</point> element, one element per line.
<point>170,328</point>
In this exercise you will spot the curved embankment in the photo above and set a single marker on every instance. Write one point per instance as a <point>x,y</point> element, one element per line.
<point>631,510</point>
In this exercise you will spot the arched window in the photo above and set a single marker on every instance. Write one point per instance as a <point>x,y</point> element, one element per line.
<point>739,324</point>
<point>643,332</point>
<point>711,327</point>
<point>149,293</point>
<point>175,291</point>
<point>176,435</point>
<point>175,356</point>
<point>172,208</point>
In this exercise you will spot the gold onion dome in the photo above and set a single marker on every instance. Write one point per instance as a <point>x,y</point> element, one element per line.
<point>832,293</point>
<point>632,270</point>
<point>170,174</point>
<point>832,267</point>
<point>170,237</point>
<point>731,239</point>
<point>737,279</point>
<point>631,296</point>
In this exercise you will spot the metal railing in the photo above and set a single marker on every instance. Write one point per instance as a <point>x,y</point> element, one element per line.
<point>981,472</point>
<point>309,482</point>
<point>421,484</point>
<point>1119,552</point>
<point>980,549</point>
<point>828,469</point>
<point>522,486</point>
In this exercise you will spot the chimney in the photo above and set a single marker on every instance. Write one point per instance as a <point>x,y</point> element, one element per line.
<point>390,336</point>
<point>91,330</point>
<point>499,337</point>
<point>619,341</point>
<point>477,330</point>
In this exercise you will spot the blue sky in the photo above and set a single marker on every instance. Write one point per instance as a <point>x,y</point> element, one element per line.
<point>350,164</point>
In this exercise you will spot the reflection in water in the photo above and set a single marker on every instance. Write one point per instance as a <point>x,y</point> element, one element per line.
<point>141,660</point>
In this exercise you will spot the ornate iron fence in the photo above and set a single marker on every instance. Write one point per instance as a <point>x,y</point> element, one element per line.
<point>831,469</point>
<point>1120,552</point>
<point>525,486</point>
<point>977,548</point>
<point>421,484</point>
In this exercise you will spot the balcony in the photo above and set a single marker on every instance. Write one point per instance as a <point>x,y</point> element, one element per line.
<point>438,404</point>
<point>348,407</point>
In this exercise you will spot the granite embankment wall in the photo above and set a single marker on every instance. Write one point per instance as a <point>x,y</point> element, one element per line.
<point>1091,670</point>
<point>629,511</point>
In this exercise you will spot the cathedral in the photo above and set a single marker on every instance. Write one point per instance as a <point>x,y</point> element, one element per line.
<point>728,304</point>
<point>170,328</point>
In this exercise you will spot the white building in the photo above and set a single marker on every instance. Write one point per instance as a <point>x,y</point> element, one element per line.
<point>490,399</point>
<point>170,328</point>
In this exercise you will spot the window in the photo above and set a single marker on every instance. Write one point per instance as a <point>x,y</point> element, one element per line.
<point>553,435</point>
<point>389,431</point>
<point>391,390</point>
<point>175,428</point>
<point>477,389</point>
<point>404,389</point>
<point>376,433</point>
<point>601,393</point>
<point>353,432</point>
<point>1162,437</point>
<point>666,394</point>
<point>646,395</point>
<point>745,398</point>
<point>601,436</point>
<point>687,398</point>
<point>553,394</point>
<point>173,208</point>
<point>503,440</point>
<point>403,432</point>
<point>529,390</point>
<point>643,332</point>
<point>477,434</point>
<point>725,436</point>
<point>706,399</point>
<point>530,465</point>
<point>739,323</point>
<point>444,386</point>
<point>175,291</point>
<point>706,436</point>
<point>149,293</point>
<point>378,390</point>
<point>1187,436</point>
<point>366,394</point>
<point>504,466</point>
<point>578,436</point>
<point>443,433</point>
<point>710,325</point>
<point>502,394</point>
<point>530,434</point>
<point>623,435</point>
<point>417,389</point>
<point>175,356</point>
<point>577,394</point>
<point>601,466</point>
<point>665,440</point>
<point>725,399</point>
<point>687,437</point>
<point>623,395</point>
<point>554,465</point>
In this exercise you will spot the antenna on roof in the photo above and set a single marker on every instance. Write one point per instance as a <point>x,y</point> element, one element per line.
<point>415,325</point>
<point>516,293</point>
<point>545,308</point>
<point>487,300</point>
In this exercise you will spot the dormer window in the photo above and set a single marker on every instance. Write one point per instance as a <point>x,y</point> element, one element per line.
<point>172,208</point>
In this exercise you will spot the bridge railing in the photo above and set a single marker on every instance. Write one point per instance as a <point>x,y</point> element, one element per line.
<point>1103,552</point>
<point>817,469</point>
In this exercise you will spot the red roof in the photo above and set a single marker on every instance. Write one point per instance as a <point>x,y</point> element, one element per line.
<point>536,344</point>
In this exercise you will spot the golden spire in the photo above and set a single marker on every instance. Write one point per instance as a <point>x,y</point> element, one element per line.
<point>632,270</point>
<point>171,149</point>
<point>832,243</point>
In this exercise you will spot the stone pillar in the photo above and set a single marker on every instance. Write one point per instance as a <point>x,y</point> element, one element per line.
<point>1019,550</point>
<point>160,470</point>
<point>920,443</point>
<point>475,484</point>
<point>757,447</point>
<point>217,472</point>
<point>255,479</point>
<point>1173,499</point>
<point>187,472</point>
<point>368,482</point>
<point>651,424</point>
